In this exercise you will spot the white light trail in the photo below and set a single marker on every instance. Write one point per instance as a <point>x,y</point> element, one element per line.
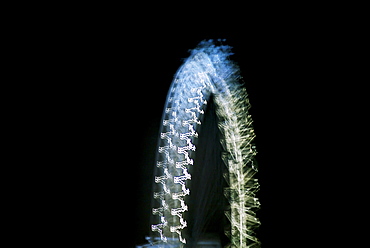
<point>208,71</point>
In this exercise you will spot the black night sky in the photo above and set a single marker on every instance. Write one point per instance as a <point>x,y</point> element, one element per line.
<point>115,103</point>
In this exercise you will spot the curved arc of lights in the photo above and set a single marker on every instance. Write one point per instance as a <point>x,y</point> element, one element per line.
<point>207,71</point>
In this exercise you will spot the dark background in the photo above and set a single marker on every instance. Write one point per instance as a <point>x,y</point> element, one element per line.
<point>113,77</point>
<point>128,105</point>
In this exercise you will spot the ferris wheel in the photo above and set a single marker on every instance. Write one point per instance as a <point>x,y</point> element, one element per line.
<point>206,73</point>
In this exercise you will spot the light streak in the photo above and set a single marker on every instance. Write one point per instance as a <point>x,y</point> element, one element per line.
<point>207,71</point>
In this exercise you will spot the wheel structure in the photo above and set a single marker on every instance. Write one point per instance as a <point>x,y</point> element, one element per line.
<point>207,72</point>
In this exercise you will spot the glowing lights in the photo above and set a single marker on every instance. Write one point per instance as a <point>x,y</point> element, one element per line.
<point>206,72</point>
